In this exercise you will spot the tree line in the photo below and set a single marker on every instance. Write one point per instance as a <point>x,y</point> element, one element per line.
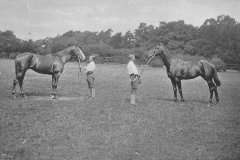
<point>218,37</point>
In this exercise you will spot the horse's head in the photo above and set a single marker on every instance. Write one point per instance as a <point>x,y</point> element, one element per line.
<point>156,50</point>
<point>79,53</point>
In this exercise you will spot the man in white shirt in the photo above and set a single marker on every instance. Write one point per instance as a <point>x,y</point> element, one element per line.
<point>135,79</point>
<point>90,76</point>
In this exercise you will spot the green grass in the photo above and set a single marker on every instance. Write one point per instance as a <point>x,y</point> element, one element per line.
<point>109,128</point>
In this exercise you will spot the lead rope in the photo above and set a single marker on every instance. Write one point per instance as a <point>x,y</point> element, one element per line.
<point>143,68</point>
<point>147,63</point>
<point>80,82</point>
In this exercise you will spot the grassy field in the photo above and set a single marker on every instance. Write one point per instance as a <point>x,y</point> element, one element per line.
<point>108,127</point>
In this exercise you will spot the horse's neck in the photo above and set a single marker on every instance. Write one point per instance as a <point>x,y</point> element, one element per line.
<point>65,55</point>
<point>167,59</point>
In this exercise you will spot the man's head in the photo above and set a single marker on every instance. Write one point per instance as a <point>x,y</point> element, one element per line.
<point>132,57</point>
<point>91,58</point>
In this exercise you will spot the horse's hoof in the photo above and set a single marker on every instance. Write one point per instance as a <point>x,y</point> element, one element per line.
<point>209,104</point>
<point>24,96</point>
<point>182,100</point>
<point>54,97</point>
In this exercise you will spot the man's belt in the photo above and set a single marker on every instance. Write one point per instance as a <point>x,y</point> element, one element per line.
<point>89,72</point>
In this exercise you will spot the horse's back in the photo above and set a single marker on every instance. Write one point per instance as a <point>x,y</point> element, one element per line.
<point>23,56</point>
<point>185,69</point>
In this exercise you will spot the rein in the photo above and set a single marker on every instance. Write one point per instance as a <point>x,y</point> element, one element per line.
<point>79,65</point>
<point>148,63</point>
<point>80,71</point>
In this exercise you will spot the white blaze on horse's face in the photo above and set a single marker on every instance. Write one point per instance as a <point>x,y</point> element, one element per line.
<point>80,54</point>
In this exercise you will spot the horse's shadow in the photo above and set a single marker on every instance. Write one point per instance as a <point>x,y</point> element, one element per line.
<point>165,99</point>
<point>41,94</point>
<point>36,94</point>
<point>186,101</point>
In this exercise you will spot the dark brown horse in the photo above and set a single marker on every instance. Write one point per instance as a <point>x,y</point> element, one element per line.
<point>178,70</point>
<point>51,64</point>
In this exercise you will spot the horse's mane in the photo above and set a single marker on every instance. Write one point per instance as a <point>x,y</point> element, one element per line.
<point>168,51</point>
<point>63,52</point>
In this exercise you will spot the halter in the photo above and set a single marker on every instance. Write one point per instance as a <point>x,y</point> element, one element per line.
<point>79,62</point>
<point>80,53</point>
<point>149,61</point>
<point>157,49</point>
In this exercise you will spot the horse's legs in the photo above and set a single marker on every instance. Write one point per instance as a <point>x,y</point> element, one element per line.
<point>14,88</point>
<point>53,87</point>
<point>216,94</point>
<point>56,83</point>
<point>19,78</point>
<point>20,81</point>
<point>211,89</point>
<point>179,85</point>
<point>55,78</point>
<point>174,89</point>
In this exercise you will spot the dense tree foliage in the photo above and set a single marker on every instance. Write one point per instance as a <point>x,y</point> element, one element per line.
<point>218,37</point>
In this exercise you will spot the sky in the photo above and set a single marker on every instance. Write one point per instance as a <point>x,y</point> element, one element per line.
<point>38,19</point>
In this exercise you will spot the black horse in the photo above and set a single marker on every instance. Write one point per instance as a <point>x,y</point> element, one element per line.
<point>51,64</point>
<point>178,70</point>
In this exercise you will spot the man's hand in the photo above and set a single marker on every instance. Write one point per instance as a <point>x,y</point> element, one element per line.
<point>139,75</point>
<point>82,67</point>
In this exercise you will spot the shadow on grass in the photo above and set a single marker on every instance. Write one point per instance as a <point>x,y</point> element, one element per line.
<point>37,94</point>
<point>186,101</point>
<point>166,99</point>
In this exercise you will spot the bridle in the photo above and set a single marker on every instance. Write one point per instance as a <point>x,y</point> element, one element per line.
<point>159,48</point>
<point>151,58</point>
<point>149,61</point>
<point>80,69</point>
<point>79,59</point>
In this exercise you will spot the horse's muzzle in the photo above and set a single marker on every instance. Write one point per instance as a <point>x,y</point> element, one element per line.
<point>81,58</point>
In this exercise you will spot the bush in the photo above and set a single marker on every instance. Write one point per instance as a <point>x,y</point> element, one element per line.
<point>188,57</point>
<point>219,64</point>
<point>13,55</point>
<point>106,54</point>
<point>3,55</point>
<point>156,62</point>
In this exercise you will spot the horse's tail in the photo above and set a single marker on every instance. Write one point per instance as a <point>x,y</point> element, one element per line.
<point>209,71</point>
<point>24,59</point>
